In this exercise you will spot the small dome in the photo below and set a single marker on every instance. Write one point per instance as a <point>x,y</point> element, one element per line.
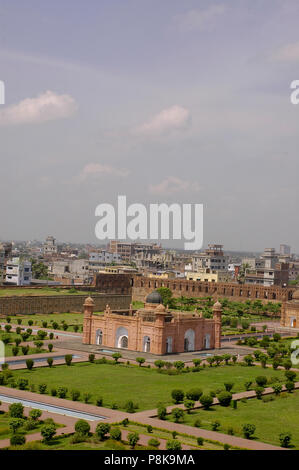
<point>295,295</point>
<point>154,298</point>
<point>217,305</point>
<point>89,302</point>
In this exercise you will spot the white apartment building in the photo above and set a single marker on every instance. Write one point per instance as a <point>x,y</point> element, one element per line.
<point>18,272</point>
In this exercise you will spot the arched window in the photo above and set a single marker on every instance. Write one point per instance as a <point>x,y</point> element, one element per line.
<point>121,337</point>
<point>169,345</point>
<point>99,337</point>
<point>146,344</point>
<point>189,340</point>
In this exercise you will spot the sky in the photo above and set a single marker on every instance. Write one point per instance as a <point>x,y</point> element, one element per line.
<point>161,101</point>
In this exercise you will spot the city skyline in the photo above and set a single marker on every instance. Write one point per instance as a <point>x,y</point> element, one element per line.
<point>170,102</point>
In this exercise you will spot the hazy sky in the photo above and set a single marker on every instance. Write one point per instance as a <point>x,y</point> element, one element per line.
<point>162,101</point>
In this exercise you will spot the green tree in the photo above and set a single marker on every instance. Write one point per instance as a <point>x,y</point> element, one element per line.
<point>116,356</point>
<point>173,444</point>
<point>48,431</point>
<point>140,360</point>
<point>285,439</point>
<point>102,430</point>
<point>177,414</point>
<point>166,295</point>
<point>15,424</point>
<point>133,438</point>
<point>35,414</point>
<point>16,410</point>
<point>248,430</point>
<point>189,405</point>
<point>82,427</point>
<point>224,398</point>
<point>206,401</point>
<point>177,395</point>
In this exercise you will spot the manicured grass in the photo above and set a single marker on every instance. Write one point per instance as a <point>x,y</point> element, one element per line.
<point>270,418</point>
<point>70,318</point>
<point>39,291</point>
<point>146,387</point>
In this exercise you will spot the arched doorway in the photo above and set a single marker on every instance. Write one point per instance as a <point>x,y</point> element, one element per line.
<point>99,337</point>
<point>146,344</point>
<point>207,341</point>
<point>123,342</point>
<point>189,340</point>
<point>122,338</point>
<point>169,345</point>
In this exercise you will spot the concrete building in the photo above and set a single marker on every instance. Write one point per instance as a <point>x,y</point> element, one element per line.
<point>98,260</point>
<point>50,247</point>
<point>2,263</point>
<point>213,258</point>
<point>129,251</point>
<point>18,272</point>
<point>152,329</point>
<point>74,270</point>
<point>208,275</point>
<point>284,250</point>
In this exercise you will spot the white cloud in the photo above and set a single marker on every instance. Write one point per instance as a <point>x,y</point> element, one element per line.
<point>95,170</point>
<point>47,106</point>
<point>172,185</point>
<point>287,53</point>
<point>201,19</point>
<point>173,118</point>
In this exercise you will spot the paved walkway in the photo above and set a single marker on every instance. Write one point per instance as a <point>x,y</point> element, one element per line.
<point>147,417</point>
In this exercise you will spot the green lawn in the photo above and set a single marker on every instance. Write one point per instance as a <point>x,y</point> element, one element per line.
<point>120,383</point>
<point>70,318</point>
<point>270,418</point>
<point>40,291</point>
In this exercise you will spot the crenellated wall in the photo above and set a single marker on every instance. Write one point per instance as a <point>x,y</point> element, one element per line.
<point>142,286</point>
<point>61,303</point>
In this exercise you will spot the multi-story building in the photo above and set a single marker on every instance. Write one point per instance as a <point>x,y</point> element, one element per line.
<point>18,272</point>
<point>252,263</point>
<point>74,270</point>
<point>50,247</point>
<point>208,275</point>
<point>212,258</point>
<point>99,259</point>
<point>285,250</point>
<point>2,263</point>
<point>128,251</point>
<point>268,276</point>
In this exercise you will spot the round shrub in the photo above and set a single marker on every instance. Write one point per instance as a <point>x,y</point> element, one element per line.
<point>206,401</point>
<point>177,395</point>
<point>194,394</point>
<point>102,430</point>
<point>82,427</point>
<point>154,443</point>
<point>173,444</point>
<point>261,380</point>
<point>17,440</point>
<point>115,434</point>
<point>224,398</point>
